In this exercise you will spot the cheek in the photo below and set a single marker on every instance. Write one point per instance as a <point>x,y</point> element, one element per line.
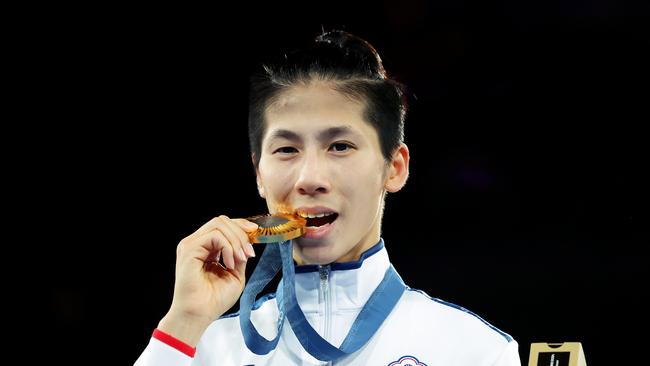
<point>278,186</point>
<point>277,180</point>
<point>363,186</point>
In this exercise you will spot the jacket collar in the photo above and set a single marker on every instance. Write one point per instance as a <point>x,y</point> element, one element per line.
<point>350,284</point>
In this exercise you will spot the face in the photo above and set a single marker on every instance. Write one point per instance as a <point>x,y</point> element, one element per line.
<point>320,158</point>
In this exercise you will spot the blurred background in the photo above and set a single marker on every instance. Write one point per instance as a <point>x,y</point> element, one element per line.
<point>527,201</point>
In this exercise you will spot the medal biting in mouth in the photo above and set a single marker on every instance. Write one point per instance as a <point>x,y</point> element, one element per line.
<point>274,228</point>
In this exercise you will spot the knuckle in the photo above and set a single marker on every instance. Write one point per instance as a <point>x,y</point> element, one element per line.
<point>181,245</point>
<point>218,238</point>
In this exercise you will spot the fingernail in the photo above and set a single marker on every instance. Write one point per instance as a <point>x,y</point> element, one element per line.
<point>250,250</point>
<point>251,225</point>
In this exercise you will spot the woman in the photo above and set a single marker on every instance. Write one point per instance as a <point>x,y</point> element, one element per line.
<point>326,132</point>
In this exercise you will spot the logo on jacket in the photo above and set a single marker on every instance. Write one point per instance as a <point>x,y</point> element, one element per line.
<point>407,361</point>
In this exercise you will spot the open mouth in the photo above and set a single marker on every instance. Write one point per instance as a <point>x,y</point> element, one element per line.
<point>320,219</point>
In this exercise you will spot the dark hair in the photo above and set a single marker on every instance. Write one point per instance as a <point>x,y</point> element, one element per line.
<point>356,70</point>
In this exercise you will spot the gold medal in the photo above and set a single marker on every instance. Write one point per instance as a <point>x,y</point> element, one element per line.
<point>277,227</point>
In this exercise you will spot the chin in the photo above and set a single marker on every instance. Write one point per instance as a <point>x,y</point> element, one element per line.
<point>310,253</point>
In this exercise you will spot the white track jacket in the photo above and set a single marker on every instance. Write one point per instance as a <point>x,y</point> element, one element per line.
<point>420,330</point>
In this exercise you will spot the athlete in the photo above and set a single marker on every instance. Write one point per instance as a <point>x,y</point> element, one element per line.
<point>326,130</point>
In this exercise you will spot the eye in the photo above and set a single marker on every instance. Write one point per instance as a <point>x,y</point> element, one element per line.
<point>286,150</point>
<point>341,146</point>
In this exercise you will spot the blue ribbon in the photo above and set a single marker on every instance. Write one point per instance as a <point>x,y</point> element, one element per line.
<point>280,255</point>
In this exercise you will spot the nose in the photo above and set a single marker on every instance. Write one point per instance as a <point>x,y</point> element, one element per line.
<point>312,178</point>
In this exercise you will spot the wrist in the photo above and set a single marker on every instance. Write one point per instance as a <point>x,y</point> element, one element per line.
<point>185,328</point>
<point>174,342</point>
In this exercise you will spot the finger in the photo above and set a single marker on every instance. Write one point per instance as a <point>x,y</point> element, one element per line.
<point>228,258</point>
<point>197,251</point>
<point>241,226</point>
<point>219,245</point>
<point>246,225</point>
<point>229,230</point>
<point>249,227</point>
<point>207,246</point>
<point>210,225</point>
<point>242,238</point>
<point>219,224</point>
<point>240,268</point>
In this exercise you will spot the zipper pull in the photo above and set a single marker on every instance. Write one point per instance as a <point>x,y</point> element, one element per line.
<point>324,272</point>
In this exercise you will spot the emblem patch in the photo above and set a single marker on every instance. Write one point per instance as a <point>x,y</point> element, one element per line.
<point>407,361</point>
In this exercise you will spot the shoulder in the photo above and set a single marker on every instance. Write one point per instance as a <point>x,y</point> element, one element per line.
<point>450,318</point>
<point>449,332</point>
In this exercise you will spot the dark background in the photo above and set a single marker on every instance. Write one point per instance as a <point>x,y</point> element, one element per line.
<point>526,203</point>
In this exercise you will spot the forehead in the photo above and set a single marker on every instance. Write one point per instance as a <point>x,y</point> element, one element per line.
<point>311,109</point>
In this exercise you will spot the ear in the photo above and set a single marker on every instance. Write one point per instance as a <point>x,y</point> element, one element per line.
<point>260,187</point>
<point>398,170</point>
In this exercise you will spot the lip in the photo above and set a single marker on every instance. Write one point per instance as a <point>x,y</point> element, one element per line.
<point>320,232</point>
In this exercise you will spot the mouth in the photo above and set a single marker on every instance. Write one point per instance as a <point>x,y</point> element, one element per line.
<point>317,220</point>
<point>320,221</point>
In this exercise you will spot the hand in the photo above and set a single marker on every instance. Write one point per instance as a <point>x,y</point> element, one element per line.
<point>204,289</point>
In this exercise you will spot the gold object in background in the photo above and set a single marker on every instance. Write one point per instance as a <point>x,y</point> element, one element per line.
<point>557,354</point>
<point>277,227</point>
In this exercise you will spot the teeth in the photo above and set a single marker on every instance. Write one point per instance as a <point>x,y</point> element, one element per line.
<point>311,216</point>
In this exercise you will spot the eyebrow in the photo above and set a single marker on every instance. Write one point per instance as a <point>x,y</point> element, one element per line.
<point>323,135</point>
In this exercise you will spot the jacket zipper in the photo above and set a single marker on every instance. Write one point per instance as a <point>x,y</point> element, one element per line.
<point>326,299</point>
